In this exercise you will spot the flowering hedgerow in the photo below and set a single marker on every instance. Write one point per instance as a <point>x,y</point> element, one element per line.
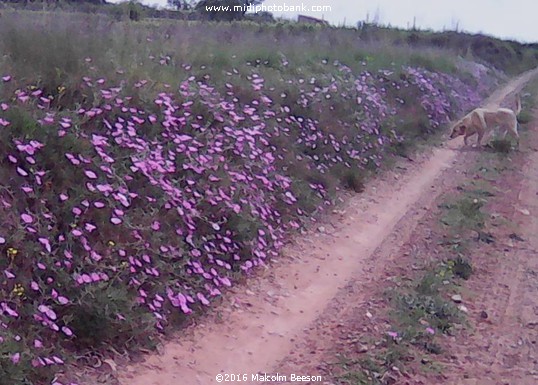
<point>126,214</point>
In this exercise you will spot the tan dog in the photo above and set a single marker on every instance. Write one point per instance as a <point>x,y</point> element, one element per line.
<point>481,120</point>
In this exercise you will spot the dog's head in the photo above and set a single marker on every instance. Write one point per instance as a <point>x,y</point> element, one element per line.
<point>458,130</point>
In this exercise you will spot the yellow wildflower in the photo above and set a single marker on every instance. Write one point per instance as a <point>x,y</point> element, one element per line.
<point>18,290</point>
<point>12,252</point>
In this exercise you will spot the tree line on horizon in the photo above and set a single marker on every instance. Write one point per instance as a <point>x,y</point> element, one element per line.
<point>198,6</point>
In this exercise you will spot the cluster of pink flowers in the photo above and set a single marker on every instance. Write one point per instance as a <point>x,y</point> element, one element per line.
<point>172,198</point>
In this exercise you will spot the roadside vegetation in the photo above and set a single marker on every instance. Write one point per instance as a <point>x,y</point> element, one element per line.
<point>148,166</point>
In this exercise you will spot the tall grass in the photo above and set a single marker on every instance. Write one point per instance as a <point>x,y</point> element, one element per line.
<point>49,48</point>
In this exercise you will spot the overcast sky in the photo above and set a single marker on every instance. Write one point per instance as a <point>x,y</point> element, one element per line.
<point>515,19</point>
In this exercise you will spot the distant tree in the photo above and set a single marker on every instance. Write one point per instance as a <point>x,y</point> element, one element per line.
<point>261,17</point>
<point>232,14</point>
<point>182,5</point>
<point>134,10</point>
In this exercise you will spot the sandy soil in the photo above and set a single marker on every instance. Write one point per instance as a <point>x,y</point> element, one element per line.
<point>289,317</point>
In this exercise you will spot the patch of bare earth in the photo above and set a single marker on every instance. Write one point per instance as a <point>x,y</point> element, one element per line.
<point>304,308</point>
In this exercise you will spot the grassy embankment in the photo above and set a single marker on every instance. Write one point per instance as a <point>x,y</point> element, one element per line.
<point>147,166</point>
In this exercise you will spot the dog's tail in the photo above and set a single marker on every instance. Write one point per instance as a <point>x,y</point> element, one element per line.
<point>517,109</point>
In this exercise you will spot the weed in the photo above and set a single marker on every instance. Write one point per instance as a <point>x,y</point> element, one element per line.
<point>353,180</point>
<point>461,267</point>
<point>502,146</point>
<point>464,213</point>
<point>524,117</point>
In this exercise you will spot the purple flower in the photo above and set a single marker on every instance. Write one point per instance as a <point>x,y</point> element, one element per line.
<point>26,218</point>
<point>90,174</point>
<point>392,334</point>
<point>15,358</point>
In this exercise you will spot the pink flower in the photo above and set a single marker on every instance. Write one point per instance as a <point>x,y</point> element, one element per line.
<point>21,172</point>
<point>393,334</point>
<point>90,174</point>
<point>27,189</point>
<point>45,243</point>
<point>26,218</point>
<point>9,310</point>
<point>58,360</point>
<point>202,299</point>
<point>89,227</point>
<point>86,278</point>
<point>47,311</point>
<point>430,330</point>
<point>16,358</point>
<point>9,274</point>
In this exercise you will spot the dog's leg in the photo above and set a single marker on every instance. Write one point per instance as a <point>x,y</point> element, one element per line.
<point>479,139</point>
<point>512,128</point>
<point>516,134</point>
<point>480,127</point>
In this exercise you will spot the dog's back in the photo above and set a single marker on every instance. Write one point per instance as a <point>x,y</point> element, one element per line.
<point>498,117</point>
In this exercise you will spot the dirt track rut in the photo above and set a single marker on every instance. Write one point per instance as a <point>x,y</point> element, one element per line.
<point>260,324</point>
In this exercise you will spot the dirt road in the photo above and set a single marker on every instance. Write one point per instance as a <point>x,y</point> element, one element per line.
<point>262,323</point>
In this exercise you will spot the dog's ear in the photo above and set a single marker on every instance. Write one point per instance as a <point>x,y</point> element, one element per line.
<point>458,130</point>
<point>454,131</point>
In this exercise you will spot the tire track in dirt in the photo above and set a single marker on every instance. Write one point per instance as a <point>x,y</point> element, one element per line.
<point>260,323</point>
